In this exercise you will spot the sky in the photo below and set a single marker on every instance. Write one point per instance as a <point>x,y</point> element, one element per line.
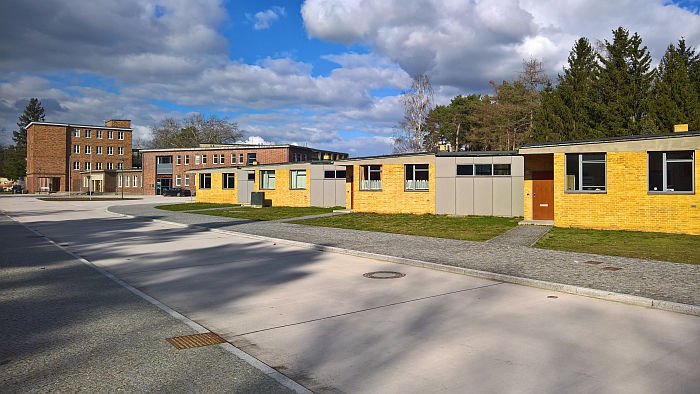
<point>322,73</point>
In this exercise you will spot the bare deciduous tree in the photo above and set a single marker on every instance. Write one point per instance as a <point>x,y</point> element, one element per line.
<point>194,130</point>
<point>417,103</point>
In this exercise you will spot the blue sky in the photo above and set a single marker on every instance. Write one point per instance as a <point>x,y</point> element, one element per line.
<point>323,73</point>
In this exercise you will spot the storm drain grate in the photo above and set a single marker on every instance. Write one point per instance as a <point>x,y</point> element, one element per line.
<point>195,340</point>
<point>593,262</point>
<point>611,268</point>
<point>384,275</point>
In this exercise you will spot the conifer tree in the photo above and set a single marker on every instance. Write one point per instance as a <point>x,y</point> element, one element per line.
<point>33,112</point>
<point>675,98</point>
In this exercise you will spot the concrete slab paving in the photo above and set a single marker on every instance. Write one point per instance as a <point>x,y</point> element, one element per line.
<point>312,315</point>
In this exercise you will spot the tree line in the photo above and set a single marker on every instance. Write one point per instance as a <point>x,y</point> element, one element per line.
<point>608,89</point>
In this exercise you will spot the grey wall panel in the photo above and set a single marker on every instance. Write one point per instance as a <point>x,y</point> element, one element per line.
<point>445,196</point>
<point>502,196</point>
<point>340,193</point>
<point>483,160</point>
<point>316,193</point>
<point>445,167</point>
<point>483,196</point>
<point>517,196</point>
<point>517,167</point>
<point>464,196</point>
<point>316,172</point>
<point>328,193</point>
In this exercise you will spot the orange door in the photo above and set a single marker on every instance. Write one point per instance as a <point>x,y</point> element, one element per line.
<point>543,195</point>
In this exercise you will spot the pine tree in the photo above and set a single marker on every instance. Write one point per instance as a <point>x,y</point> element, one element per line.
<point>33,112</point>
<point>624,83</point>
<point>675,98</point>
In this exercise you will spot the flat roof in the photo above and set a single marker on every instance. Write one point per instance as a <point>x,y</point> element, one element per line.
<point>79,125</point>
<point>237,146</point>
<point>613,139</point>
<point>386,156</point>
<point>259,166</point>
<point>477,153</point>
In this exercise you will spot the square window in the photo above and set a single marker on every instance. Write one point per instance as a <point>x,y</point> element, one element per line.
<point>298,179</point>
<point>371,177</point>
<point>671,171</point>
<point>585,172</point>
<point>228,181</point>
<point>417,177</point>
<point>76,133</point>
<point>252,157</point>
<point>267,179</point>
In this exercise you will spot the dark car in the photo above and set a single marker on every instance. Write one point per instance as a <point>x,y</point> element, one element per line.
<point>177,192</point>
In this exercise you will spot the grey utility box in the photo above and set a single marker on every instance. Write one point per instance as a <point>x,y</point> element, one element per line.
<point>257,199</point>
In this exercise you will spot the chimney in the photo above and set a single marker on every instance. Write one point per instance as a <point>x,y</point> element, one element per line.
<point>679,128</point>
<point>121,123</point>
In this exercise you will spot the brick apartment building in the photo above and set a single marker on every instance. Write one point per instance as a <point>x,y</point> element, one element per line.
<point>65,157</point>
<point>165,168</point>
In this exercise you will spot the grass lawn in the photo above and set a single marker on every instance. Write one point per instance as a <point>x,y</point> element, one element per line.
<point>193,206</point>
<point>468,228</point>
<point>266,213</point>
<point>656,246</point>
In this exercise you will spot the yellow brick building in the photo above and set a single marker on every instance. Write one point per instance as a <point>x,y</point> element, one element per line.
<point>209,186</point>
<point>638,183</point>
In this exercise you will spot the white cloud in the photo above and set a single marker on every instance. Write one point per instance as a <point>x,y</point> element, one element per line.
<point>262,20</point>
<point>257,140</point>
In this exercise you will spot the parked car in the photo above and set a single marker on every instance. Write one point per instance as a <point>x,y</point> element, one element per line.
<point>177,192</point>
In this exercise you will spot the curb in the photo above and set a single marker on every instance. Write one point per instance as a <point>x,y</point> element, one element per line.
<point>251,360</point>
<point>669,306</point>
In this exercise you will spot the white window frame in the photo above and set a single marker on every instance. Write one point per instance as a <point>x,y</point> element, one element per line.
<point>136,181</point>
<point>120,166</point>
<point>110,135</point>
<point>204,159</point>
<point>120,135</point>
<point>414,185</point>
<point>120,150</point>
<point>76,148</point>
<point>76,166</point>
<point>98,166</point>
<point>294,177</point>
<point>215,159</point>
<point>267,179</point>
<point>120,180</point>
<point>581,162</point>
<point>368,184</point>
<point>233,158</point>
<point>241,158</point>
<point>222,158</point>
<point>187,160</point>
<point>178,180</point>
<point>110,165</point>
<point>197,159</point>
<point>98,134</point>
<point>98,150</point>
<point>187,180</point>
<point>76,133</point>
<point>178,160</point>
<point>88,149</point>
<point>225,181</point>
<point>664,169</point>
<point>127,181</point>
<point>110,150</point>
<point>88,166</point>
<point>88,133</point>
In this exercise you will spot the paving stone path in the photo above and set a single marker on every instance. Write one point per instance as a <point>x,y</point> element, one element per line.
<point>523,235</point>
<point>646,278</point>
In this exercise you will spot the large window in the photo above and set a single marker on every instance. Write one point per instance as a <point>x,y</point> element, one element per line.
<point>228,181</point>
<point>267,179</point>
<point>371,177</point>
<point>204,181</point>
<point>585,172</point>
<point>671,172</point>
<point>298,179</point>
<point>417,177</point>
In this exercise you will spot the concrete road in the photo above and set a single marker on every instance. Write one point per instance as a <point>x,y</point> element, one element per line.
<point>314,317</point>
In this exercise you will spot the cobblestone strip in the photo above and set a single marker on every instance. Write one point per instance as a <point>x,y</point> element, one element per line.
<point>522,235</point>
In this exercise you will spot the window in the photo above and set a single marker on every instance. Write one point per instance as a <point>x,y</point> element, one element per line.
<point>222,160</point>
<point>98,134</point>
<point>337,174</point>
<point>110,166</point>
<point>110,135</point>
<point>215,159</point>
<point>204,159</point>
<point>187,160</point>
<point>76,133</point>
<point>76,148</point>
<point>340,174</point>
<point>501,169</point>
<point>76,165</point>
<point>671,171</point>
<point>228,181</point>
<point>87,166</point>
<point>187,180</point>
<point>305,157</point>
<point>483,169</point>
<point>371,177</point>
<point>120,181</point>
<point>110,150</point>
<point>88,149</point>
<point>233,158</point>
<point>127,180</point>
<point>465,169</point>
<point>178,180</point>
<point>205,181</point>
<point>87,133</point>
<point>585,172</point>
<point>240,158</point>
<point>120,166</point>
<point>196,159</point>
<point>98,165</point>
<point>99,150</point>
<point>417,177</point>
<point>178,160</point>
<point>267,179</point>
<point>120,150</point>
<point>136,181</point>
<point>298,179</point>
<point>252,157</point>
<point>120,135</point>
<point>251,176</point>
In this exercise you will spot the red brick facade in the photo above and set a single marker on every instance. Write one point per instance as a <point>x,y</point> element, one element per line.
<point>53,149</point>
<point>264,154</point>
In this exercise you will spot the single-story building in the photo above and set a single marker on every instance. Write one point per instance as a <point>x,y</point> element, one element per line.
<point>454,183</point>
<point>111,181</point>
<point>287,184</point>
<point>639,183</point>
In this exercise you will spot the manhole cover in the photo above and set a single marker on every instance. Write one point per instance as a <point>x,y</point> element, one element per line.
<point>611,268</point>
<point>384,275</point>
<point>195,340</point>
<point>551,296</point>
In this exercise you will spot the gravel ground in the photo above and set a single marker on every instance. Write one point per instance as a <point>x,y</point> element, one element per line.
<point>653,279</point>
<point>67,328</point>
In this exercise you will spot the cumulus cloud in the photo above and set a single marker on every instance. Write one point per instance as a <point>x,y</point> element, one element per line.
<point>262,20</point>
<point>466,43</point>
<point>257,140</point>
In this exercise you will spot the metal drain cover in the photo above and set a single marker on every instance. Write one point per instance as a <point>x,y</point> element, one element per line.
<point>195,340</point>
<point>384,275</point>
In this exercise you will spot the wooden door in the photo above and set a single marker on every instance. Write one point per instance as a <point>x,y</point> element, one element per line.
<point>543,195</point>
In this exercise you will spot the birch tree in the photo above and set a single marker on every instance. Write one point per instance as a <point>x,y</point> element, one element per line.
<point>412,131</point>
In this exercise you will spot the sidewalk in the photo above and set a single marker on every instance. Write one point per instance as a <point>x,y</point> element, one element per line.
<point>658,280</point>
<point>68,328</point>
